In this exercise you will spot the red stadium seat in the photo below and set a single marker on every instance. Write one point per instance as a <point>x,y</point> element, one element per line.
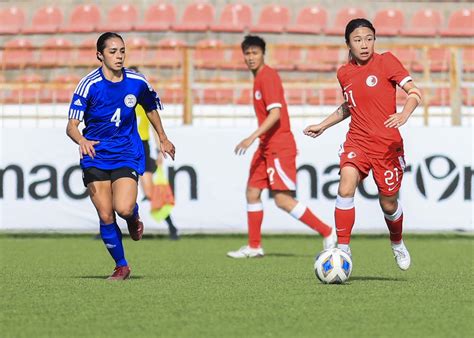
<point>468,59</point>
<point>17,53</point>
<point>173,96</point>
<point>234,18</point>
<point>86,54</point>
<point>236,59</point>
<point>209,54</point>
<point>407,56</point>
<point>342,19</point>
<point>29,91</point>
<point>424,22</point>
<point>468,96</point>
<point>438,59</point>
<point>138,51</point>
<point>197,17</point>
<point>389,22</point>
<point>310,20</point>
<point>461,23</point>
<point>217,96</point>
<point>246,97</point>
<point>327,97</point>
<point>273,19</point>
<point>285,57</point>
<point>170,53</point>
<point>437,96</point>
<point>297,96</point>
<point>320,60</point>
<point>12,19</point>
<point>83,19</point>
<point>158,18</point>
<point>45,20</point>
<point>60,89</point>
<point>55,52</point>
<point>121,18</point>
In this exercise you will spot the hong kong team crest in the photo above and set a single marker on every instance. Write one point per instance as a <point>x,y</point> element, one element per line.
<point>258,95</point>
<point>130,100</point>
<point>371,81</point>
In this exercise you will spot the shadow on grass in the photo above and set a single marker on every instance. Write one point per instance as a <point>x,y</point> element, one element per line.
<point>376,278</point>
<point>105,277</point>
<point>277,254</point>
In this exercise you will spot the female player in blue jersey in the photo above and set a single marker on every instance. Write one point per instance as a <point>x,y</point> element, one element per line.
<point>112,155</point>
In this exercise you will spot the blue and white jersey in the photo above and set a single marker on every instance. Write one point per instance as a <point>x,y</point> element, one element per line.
<point>108,111</point>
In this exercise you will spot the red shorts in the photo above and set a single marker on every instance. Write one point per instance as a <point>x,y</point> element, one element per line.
<point>273,170</point>
<point>388,172</point>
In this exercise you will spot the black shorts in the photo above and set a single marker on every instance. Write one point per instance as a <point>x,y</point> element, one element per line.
<point>93,174</point>
<point>150,163</point>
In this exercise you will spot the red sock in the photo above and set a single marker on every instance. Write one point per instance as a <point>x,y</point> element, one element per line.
<point>395,228</point>
<point>395,224</point>
<point>255,218</point>
<point>307,217</point>
<point>345,219</point>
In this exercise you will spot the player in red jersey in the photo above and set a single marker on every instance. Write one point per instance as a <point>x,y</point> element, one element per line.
<point>368,82</point>
<point>273,165</point>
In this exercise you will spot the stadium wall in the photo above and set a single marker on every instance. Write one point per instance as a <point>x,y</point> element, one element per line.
<point>41,187</point>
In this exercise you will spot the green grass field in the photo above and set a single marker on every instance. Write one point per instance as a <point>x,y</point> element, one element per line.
<point>54,286</point>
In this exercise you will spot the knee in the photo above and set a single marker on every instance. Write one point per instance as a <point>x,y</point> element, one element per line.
<point>346,191</point>
<point>389,206</point>
<point>283,202</point>
<point>107,217</point>
<point>252,195</point>
<point>124,210</point>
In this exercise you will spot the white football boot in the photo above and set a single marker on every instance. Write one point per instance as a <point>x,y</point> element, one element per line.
<point>346,248</point>
<point>246,252</point>
<point>330,241</point>
<point>401,255</point>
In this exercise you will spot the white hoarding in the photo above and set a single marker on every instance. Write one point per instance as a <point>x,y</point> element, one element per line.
<point>41,185</point>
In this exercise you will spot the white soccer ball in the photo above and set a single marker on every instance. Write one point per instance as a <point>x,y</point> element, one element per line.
<point>333,266</point>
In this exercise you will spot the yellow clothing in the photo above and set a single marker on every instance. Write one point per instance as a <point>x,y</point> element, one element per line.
<point>143,123</point>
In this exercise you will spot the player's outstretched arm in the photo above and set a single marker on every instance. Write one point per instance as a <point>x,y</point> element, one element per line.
<point>165,145</point>
<point>413,100</point>
<point>86,147</point>
<point>272,118</point>
<point>341,113</point>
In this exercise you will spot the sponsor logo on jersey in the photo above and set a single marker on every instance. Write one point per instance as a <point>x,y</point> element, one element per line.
<point>351,155</point>
<point>371,81</point>
<point>130,100</point>
<point>78,103</point>
<point>258,95</point>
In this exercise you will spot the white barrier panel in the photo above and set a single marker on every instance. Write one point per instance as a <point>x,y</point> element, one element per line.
<point>41,186</point>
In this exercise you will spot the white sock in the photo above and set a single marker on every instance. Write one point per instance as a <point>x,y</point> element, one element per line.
<point>397,245</point>
<point>343,247</point>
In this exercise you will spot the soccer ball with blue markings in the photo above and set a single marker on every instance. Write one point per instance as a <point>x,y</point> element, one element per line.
<point>333,266</point>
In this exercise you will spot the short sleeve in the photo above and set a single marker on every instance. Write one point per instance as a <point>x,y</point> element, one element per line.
<point>149,99</point>
<point>78,107</point>
<point>272,91</point>
<point>394,70</point>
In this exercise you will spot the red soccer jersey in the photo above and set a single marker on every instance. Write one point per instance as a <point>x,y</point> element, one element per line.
<point>268,94</point>
<point>370,92</point>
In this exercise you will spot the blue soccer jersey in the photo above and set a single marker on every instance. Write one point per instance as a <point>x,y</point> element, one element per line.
<point>108,111</point>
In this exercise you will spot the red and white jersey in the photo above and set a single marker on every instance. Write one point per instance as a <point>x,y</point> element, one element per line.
<point>268,94</point>
<point>370,92</point>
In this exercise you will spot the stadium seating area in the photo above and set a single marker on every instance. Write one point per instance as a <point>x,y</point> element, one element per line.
<point>239,17</point>
<point>53,44</point>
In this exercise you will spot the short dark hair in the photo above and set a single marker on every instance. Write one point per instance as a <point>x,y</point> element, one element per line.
<point>251,41</point>
<point>356,23</point>
<point>103,39</point>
